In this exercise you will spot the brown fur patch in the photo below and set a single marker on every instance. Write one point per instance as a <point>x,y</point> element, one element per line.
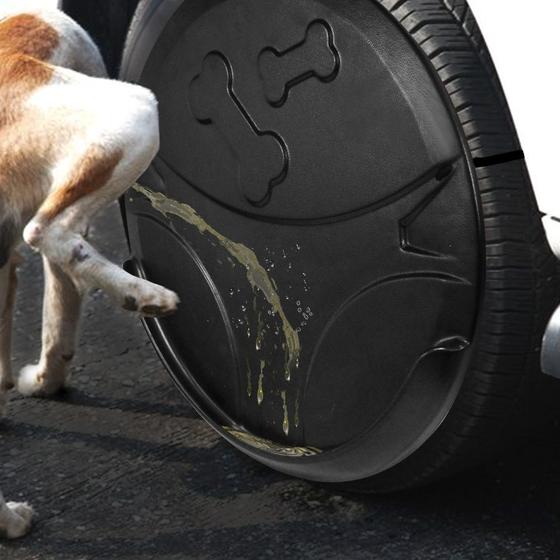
<point>93,172</point>
<point>28,35</point>
<point>26,44</point>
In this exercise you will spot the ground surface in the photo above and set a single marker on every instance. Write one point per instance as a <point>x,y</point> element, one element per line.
<point>120,467</point>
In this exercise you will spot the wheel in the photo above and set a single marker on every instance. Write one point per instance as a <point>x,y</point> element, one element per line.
<point>341,202</point>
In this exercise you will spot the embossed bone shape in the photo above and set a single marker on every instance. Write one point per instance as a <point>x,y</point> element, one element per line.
<point>314,57</point>
<point>262,155</point>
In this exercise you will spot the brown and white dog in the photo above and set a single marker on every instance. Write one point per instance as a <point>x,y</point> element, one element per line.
<point>71,142</point>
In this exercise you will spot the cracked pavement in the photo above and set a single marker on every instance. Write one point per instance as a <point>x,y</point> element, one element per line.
<point>120,467</point>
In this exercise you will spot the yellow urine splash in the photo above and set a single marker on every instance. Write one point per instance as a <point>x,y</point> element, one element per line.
<point>257,276</point>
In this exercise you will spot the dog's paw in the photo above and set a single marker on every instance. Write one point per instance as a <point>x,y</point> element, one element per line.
<point>152,300</point>
<point>33,382</point>
<point>21,517</point>
<point>160,304</point>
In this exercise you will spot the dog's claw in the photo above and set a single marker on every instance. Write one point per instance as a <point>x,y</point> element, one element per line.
<point>151,300</point>
<point>154,311</point>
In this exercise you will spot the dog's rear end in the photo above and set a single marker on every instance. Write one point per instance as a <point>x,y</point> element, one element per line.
<point>71,142</point>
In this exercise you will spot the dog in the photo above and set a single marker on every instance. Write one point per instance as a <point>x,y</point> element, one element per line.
<point>71,142</point>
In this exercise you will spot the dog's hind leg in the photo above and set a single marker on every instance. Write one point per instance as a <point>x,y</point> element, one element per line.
<point>100,171</point>
<point>15,518</point>
<point>61,313</point>
<point>89,269</point>
<point>8,284</point>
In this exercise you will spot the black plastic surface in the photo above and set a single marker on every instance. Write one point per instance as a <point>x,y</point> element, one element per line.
<point>312,134</point>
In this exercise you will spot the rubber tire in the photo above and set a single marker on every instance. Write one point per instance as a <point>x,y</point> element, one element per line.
<point>522,278</point>
<point>504,395</point>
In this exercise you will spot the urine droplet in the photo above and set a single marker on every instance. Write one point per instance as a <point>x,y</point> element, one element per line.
<point>286,422</point>
<point>260,390</point>
<point>288,373</point>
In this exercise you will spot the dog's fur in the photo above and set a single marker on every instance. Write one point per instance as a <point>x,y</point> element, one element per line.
<point>71,142</point>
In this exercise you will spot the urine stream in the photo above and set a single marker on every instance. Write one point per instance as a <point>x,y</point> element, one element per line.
<point>257,276</point>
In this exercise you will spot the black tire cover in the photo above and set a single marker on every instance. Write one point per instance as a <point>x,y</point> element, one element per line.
<point>313,206</point>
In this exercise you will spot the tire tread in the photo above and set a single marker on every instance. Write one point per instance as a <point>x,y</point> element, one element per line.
<point>521,274</point>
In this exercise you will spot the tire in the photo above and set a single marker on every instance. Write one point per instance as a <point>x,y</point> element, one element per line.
<point>503,392</point>
<point>504,387</point>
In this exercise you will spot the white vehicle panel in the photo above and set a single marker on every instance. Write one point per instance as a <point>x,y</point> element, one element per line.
<point>523,39</point>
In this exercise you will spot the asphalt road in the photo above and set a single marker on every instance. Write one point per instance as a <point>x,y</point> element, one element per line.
<point>120,467</point>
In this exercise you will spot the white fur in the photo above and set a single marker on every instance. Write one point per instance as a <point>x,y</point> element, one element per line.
<point>79,109</point>
<point>15,518</point>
